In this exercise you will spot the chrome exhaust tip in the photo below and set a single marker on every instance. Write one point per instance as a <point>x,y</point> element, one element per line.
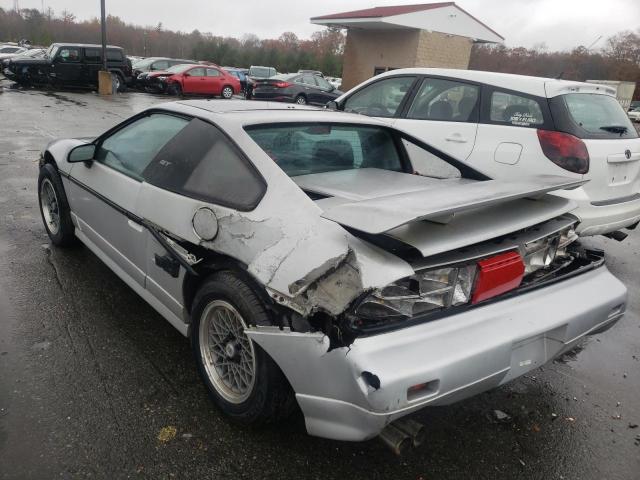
<point>397,440</point>
<point>413,429</point>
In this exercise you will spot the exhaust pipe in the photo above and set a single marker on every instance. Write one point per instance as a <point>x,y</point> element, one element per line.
<point>415,430</point>
<point>397,440</point>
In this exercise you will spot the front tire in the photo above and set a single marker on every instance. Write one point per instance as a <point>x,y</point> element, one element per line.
<point>242,379</point>
<point>227,92</point>
<point>54,207</point>
<point>301,100</point>
<point>175,89</point>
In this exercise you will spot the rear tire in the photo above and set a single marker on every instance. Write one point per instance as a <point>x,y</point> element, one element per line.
<point>54,207</point>
<point>227,92</point>
<point>120,85</point>
<point>245,383</point>
<point>301,100</point>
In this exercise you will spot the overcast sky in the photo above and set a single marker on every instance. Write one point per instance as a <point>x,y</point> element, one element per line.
<point>561,24</point>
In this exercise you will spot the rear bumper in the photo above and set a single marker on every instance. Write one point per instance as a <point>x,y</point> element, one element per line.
<point>597,220</point>
<point>455,357</point>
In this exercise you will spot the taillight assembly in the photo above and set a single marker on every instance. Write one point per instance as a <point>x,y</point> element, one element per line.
<point>282,84</point>
<point>565,150</point>
<point>498,275</point>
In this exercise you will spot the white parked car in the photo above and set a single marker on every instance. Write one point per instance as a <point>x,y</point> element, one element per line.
<point>307,263</point>
<point>634,115</point>
<point>335,82</point>
<point>512,125</point>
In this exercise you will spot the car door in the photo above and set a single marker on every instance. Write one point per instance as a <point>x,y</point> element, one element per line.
<point>92,64</point>
<point>195,80</point>
<point>326,92</point>
<point>213,81</point>
<point>381,98</point>
<point>313,92</point>
<point>444,113</point>
<point>103,193</point>
<point>67,66</point>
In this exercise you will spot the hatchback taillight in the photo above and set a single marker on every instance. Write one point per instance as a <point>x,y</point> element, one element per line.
<point>498,275</point>
<point>565,150</point>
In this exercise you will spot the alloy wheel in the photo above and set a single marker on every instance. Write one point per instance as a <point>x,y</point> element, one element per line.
<point>228,354</point>
<point>49,206</point>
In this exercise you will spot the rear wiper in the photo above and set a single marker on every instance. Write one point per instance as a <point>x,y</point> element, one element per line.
<point>621,129</point>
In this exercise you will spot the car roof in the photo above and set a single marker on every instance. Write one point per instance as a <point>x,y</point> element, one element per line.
<point>84,45</point>
<point>539,86</point>
<point>244,112</point>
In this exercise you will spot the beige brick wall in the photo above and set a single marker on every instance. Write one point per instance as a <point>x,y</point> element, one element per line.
<point>439,50</point>
<point>367,49</point>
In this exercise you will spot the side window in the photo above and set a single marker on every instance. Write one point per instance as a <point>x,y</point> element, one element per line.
<point>515,110</point>
<point>380,99</point>
<point>131,149</point>
<point>446,100</point>
<point>309,80</point>
<point>212,72</point>
<point>197,72</point>
<point>114,55</point>
<point>427,164</point>
<point>322,83</point>
<point>214,171</point>
<point>160,65</point>
<point>69,55</point>
<point>93,55</point>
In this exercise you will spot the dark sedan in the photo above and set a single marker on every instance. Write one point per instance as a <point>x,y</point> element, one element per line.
<point>300,88</point>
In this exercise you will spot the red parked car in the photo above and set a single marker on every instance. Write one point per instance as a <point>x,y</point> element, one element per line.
<point>196,79</point>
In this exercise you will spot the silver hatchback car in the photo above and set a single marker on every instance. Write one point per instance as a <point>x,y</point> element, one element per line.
<point>310,263</point>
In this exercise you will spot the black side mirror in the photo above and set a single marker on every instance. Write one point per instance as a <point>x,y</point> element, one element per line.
<point>82,153</point>
<point>332,105</point>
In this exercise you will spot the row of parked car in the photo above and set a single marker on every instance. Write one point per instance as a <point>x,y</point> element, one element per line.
<point>77,65</point>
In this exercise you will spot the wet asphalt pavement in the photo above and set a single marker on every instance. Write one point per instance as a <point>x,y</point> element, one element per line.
<point>91,376</point>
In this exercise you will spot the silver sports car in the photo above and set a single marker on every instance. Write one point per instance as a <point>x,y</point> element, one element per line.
<point>327,260</point>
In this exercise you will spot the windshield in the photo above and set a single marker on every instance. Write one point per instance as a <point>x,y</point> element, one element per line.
<point>303,149</point>
<point>179,68</point>
<point>599,115</point>
<point>10,49</point>
<point>52,50</point>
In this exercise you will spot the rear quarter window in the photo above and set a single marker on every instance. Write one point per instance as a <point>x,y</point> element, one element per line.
<point>201,162</point>
<point>114,55</point>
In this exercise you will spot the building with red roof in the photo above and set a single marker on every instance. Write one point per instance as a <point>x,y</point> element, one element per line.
<point>423,35</point>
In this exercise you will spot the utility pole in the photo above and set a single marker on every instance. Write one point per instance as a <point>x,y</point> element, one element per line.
<point>103,24</point>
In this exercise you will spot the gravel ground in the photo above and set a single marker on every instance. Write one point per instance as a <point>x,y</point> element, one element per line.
<point>94,383</point>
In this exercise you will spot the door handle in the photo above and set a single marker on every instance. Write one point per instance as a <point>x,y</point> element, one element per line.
<point>456,139</point>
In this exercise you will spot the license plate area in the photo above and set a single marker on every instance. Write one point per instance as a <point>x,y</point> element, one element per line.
<point>533,352</point>
<point>623,173</point>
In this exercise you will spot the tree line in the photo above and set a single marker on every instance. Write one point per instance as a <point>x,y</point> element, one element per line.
<point>617,59</point>
<point>287,53</point>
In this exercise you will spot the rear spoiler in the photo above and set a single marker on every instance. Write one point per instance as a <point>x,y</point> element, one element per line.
<point>382,214</point>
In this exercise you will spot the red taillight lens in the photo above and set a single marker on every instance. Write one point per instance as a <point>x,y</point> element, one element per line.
<point>497,275</point>
<point>282,84</point>
<point>565,150</point>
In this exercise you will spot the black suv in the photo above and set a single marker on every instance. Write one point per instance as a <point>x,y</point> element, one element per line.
<point>70,64</point>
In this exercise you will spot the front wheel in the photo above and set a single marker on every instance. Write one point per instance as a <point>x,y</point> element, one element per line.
<point>174,89</point>
<point>227,92</point>
<point>241,378</point>
<point>301,100</point>
<point>54,207</point>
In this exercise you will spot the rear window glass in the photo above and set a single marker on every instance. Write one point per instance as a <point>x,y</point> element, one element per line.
<point>515,110</point>
<point>200,162</point>
<point>598,114</point>
<point>92,55</point>
<point>302,149</point>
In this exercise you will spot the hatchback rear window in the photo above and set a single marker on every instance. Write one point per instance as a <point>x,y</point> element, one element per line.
<point>597,114</point>
<point>302,149</point>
